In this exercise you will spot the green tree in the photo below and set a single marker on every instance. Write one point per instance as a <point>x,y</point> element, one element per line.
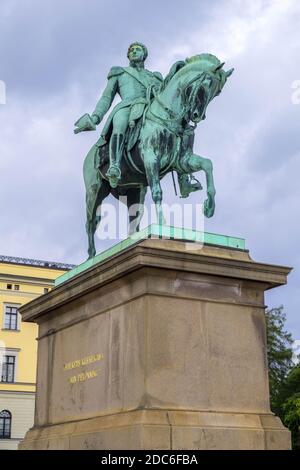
<point>284,376</point>
<point>288,404</point>
<point>280,353</point>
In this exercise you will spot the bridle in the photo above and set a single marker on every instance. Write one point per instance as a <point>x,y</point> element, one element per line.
<point>173,121</point>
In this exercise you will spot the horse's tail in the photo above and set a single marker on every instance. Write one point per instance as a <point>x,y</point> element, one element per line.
<point>91,174</point>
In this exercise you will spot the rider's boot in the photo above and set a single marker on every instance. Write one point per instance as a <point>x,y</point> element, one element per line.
<point>188,184</point>
<point>115,154</point>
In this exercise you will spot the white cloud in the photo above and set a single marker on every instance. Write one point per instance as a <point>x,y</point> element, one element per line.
<point>234,26</point>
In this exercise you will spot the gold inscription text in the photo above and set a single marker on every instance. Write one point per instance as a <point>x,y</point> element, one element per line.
<point>83,376</point>
<point>83,362</point>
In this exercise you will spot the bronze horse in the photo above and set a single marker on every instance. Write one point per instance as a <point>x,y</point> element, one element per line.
<point>165,143</point>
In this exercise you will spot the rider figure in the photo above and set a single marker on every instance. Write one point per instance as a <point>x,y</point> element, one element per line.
<point>131,83</point>
<point>134,84</point>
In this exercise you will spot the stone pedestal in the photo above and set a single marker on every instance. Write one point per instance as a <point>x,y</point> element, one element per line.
<point>161,346</point>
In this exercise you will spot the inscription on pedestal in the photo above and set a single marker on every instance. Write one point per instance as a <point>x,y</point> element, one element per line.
<point>175,343</point>
<point>84,375</point>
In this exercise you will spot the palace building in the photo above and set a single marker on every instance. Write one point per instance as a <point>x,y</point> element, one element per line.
<point>21,280</point>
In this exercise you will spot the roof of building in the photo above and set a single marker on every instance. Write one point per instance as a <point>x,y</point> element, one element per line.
<point>36,262</point>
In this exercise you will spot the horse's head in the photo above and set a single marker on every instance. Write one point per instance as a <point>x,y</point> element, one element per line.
<point>200,79</point>
<point>205,80</point>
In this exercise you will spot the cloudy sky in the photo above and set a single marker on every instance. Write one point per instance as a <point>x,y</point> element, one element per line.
<point>54,58</point>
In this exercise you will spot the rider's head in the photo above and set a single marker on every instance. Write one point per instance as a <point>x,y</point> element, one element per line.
<point>137,52</point>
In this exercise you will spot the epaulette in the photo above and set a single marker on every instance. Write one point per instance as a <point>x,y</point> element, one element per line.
<point>114,71</point>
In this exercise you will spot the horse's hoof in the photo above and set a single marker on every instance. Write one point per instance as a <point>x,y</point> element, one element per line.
<point>208,210</point>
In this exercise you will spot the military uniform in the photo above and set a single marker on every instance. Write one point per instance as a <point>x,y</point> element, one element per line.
<point>134,87</point>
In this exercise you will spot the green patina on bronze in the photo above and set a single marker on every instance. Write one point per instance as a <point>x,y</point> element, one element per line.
<point>149,134</point>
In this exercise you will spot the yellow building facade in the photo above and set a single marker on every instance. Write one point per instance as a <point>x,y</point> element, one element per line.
<point>21,280</point>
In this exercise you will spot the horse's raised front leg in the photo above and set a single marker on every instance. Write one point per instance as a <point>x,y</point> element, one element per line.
<point>209,203</point>
<point>195,163</point>
<point>152,172</point>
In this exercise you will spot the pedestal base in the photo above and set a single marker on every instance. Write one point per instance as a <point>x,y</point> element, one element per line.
<point>161,346</point>
<point>165,430</point>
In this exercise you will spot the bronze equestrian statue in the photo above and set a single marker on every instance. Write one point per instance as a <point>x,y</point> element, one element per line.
<point>149,134</point>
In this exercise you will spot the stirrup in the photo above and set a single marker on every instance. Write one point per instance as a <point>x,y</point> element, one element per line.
<point>189,185</point>
<point>195,184</point>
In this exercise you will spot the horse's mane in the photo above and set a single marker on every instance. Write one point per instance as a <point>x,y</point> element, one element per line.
<point>173,70</point>
<point>206,59</point>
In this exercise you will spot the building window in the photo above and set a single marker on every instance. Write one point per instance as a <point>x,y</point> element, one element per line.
<point>17,287</point>
<point>9,286</point>
<point>11,318</point>
<point>5,424</point>
<point>8,369</point>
